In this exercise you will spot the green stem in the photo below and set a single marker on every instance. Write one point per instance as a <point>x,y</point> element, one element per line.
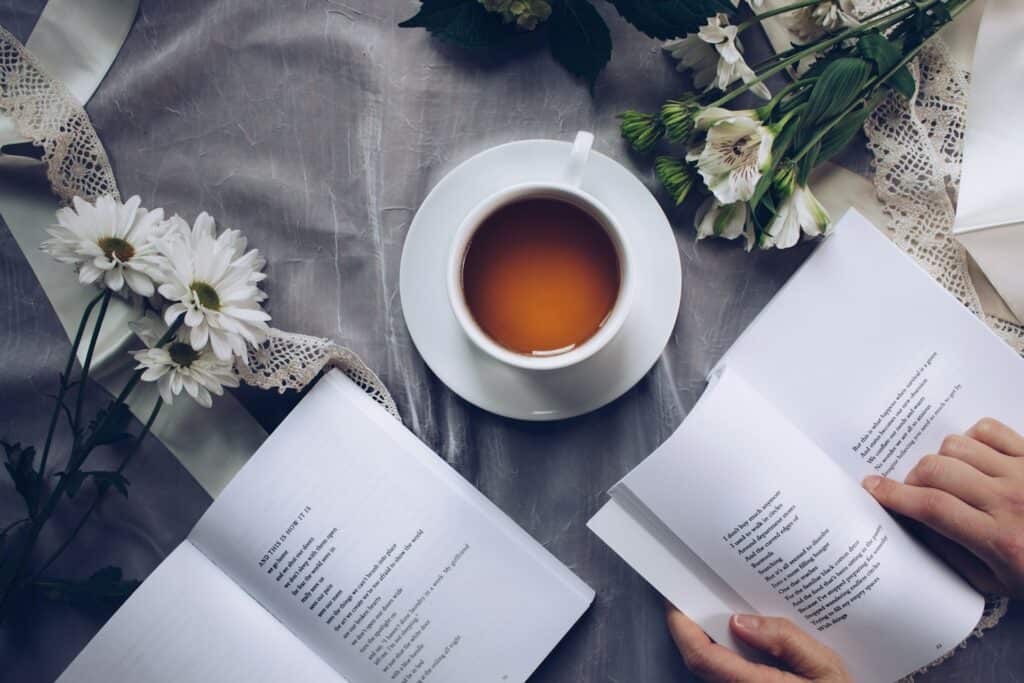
<point>873,85</point>
<point>770,106</point>
<point>101,491</point>
<point>78,456</point>
<point>64,383</point>
<point>821,46</point>
<point>758,18</point>
<point>87,364</point>
<point>866,93</point>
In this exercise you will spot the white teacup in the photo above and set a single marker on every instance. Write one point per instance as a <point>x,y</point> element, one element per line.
<point>568,190</point>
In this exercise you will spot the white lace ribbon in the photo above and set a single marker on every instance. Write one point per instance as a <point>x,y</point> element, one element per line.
<point>44,111</point>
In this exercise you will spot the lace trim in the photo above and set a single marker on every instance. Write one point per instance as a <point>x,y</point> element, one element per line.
<point>917,150</point>
<point>292,361</point>
<point>45,112</point>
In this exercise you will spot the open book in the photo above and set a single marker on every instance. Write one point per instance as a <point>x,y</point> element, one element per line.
<point>345,550</point>
<point>861,365</point>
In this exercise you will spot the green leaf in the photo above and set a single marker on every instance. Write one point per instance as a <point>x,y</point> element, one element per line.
<point>879,50</point>
<point>106,588</point>
<point>886,54</point>
<point>579,38</point>
<point>462,22</point>
<point>20,464</point>
<point>903,82</point>
<point>839,87</point>
<point>664,19</point>
<point>807,164</point>
<point>761,188</point>
<point>840,136</point>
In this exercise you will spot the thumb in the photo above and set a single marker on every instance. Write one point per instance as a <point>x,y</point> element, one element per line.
<point>783,640</point>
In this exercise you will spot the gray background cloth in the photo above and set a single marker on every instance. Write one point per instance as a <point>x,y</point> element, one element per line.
<point>317,127</point>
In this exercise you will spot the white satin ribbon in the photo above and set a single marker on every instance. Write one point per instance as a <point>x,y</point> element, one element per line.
<point>76,41</point>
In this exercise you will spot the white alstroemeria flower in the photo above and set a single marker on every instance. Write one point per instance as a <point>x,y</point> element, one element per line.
<point>176,365</point>
<point>214,285</point>
<point>696,56</point>
<point>715,56</point>
<point>735,154</point>
<point>834,15</point>
<point>110,243</point>
<point>800,212</point>
<point>728,222</point>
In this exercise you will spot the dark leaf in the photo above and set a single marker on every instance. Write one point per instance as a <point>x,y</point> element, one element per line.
<point>579,38</point>
<point>110,425</point>
<point>20,463</point>
<point>840,136</point>
<point>886,54</point>
<point>105,588</point>
<point>839,87</point>
<point>462,22</point>
<point>903,82</point>
<point>664,19</point>
<point>880,51</point>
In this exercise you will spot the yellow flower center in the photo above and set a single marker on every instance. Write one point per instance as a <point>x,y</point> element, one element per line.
<point>182,354</point>
<point>116,248</point>
<point>206,295</point>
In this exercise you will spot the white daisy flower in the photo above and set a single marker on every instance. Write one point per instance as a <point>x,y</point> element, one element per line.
<point>212,281</point>
<point>715,56</point>
<point>110,243</point>
<point>800,212</point>
<point>735,154</point>
<point>728,222</point>
<point>177,366</point>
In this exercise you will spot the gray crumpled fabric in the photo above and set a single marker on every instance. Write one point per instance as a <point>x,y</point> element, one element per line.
<point>317,127</point>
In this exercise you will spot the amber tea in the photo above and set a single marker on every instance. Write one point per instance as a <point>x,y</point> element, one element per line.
<point>540,276</point>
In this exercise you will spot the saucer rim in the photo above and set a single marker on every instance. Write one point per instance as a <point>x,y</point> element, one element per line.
<point>488,400</point>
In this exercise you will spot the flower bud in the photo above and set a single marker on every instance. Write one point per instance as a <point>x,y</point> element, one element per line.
<point>642,130</point>
<point>676,176</point>
<point>678,117</point>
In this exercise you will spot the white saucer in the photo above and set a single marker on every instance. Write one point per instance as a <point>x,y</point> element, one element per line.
<point>552,394</point>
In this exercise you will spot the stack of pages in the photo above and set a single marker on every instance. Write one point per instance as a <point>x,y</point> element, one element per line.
<point>860,365</point>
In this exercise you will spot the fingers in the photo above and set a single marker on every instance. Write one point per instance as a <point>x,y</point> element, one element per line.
<point>936,509</point>
<point>955,477</point>
<point>997,435</point>
<point>788,643</point>
<point>713,662</point>
<point>978,455</point>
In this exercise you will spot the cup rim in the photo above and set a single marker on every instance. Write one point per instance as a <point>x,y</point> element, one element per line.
<point>457,254</point>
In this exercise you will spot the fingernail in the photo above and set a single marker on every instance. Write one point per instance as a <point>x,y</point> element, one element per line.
<point>747,622</point>
<point>871,483</point>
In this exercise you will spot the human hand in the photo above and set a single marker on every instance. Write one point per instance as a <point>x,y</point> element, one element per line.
<point>970,496</point>
<point>806,658</point>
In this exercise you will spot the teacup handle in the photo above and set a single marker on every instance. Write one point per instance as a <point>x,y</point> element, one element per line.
<point>578,158</point>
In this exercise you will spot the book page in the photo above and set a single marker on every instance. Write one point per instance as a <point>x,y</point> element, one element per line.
<point>873,360</point>
<point>190,622</point>
<point>795,536</point>
<point>380,557</point>
<point>671,567</point>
